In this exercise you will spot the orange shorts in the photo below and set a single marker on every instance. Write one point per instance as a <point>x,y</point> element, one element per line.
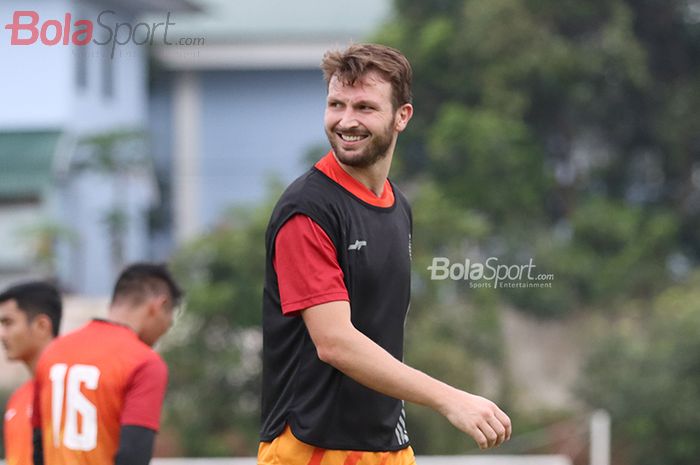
<point>286,449</point>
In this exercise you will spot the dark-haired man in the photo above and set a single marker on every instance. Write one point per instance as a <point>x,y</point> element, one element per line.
<point>30,315</point>
<point>337,290</point>
<point>99,389</point>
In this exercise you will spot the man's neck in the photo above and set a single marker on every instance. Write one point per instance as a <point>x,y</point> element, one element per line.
<point>126,316</point>
<point>31,365</point>
<point>32,361</point>
<point>372,177</point>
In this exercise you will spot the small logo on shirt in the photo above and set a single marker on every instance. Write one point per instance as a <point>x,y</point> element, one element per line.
<point>357,245</point>
<point>10,414</point>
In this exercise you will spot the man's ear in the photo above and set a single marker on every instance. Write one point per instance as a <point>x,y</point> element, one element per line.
<point>151,306</point>
<point>43,324</point>
<point>403,116</point>
<point>154,303</point>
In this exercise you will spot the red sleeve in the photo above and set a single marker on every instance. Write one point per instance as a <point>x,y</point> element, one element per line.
<point>36,402</point>
<point>307,266</point>
<point>144,395</point>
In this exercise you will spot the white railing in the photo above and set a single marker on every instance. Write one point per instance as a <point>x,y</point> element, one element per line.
<point>598,430</point>
<point>421,460</point>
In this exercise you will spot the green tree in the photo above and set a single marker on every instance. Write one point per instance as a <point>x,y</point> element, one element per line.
<point>213,402</point>
<point>451,333</point>
<point>646,372</point>
<point>567,130</point>
<point>44,236</point>
<point>528,111</point>
<point>605,254</point>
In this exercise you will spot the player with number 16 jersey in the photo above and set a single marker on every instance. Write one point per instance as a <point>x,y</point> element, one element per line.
<point>99,390</point>
<point>89,384</point>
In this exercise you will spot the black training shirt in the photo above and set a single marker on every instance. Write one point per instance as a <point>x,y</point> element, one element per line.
<point>324,407</point>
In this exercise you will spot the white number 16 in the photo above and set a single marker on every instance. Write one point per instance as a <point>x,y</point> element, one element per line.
<point>76,404</point>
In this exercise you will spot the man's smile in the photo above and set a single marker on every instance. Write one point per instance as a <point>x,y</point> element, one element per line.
<point>352,137</point>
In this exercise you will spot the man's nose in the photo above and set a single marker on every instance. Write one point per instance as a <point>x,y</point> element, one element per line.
<point>349,119</point>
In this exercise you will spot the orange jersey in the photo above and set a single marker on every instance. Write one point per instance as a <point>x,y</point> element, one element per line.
<point>88,384</point>
<point>18,426</point>
<point>288,450</point>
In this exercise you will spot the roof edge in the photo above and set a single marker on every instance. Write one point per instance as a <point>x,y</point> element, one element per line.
<point>245,56</point>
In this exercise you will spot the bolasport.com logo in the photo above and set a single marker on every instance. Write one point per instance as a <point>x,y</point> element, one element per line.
<point>29,28</point>
<point>490,274</point>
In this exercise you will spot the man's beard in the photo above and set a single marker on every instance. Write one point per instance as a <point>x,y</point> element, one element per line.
<point>376,150</point>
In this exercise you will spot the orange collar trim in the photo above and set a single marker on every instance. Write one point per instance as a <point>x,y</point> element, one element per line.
<point>329,166</point>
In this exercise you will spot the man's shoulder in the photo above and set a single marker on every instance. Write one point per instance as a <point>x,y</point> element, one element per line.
<point>22,394</point>
<point>312,194</point>
<point>307,186</point>
<point>399,194</point>
<point>140,353</point>
<point>98,340</point>
<point>150,356</point>
<point>67,340</point>
<point>154,363</point>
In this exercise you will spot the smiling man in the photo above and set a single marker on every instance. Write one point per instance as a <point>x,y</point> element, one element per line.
<point>30,314</point>
<point>337,290</point>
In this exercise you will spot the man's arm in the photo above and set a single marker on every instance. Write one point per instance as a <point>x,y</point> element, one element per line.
<point>135,445</point>
<point>38,452</point>
<point>37,440</point>
<point>140,415</point>
<point>342,346</point>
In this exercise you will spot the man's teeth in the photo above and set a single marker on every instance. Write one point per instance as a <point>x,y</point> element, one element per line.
<point>351,138</point>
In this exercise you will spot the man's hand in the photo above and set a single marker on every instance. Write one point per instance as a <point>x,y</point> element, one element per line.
<point>478,417</point>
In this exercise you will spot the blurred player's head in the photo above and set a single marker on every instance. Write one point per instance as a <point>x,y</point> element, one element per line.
<point>368,103</point>
<point>30,316</point>
<point>146,297</point>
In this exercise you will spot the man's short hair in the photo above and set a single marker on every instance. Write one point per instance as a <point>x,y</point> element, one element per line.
<point>359,59</point>
<point>141,280</point>
<point>36,298</point>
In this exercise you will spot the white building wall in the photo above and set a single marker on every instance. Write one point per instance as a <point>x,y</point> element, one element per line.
<point>35,77</point>
<point>39,87</point>
<point>87,263</point>
<point>93,110</point>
